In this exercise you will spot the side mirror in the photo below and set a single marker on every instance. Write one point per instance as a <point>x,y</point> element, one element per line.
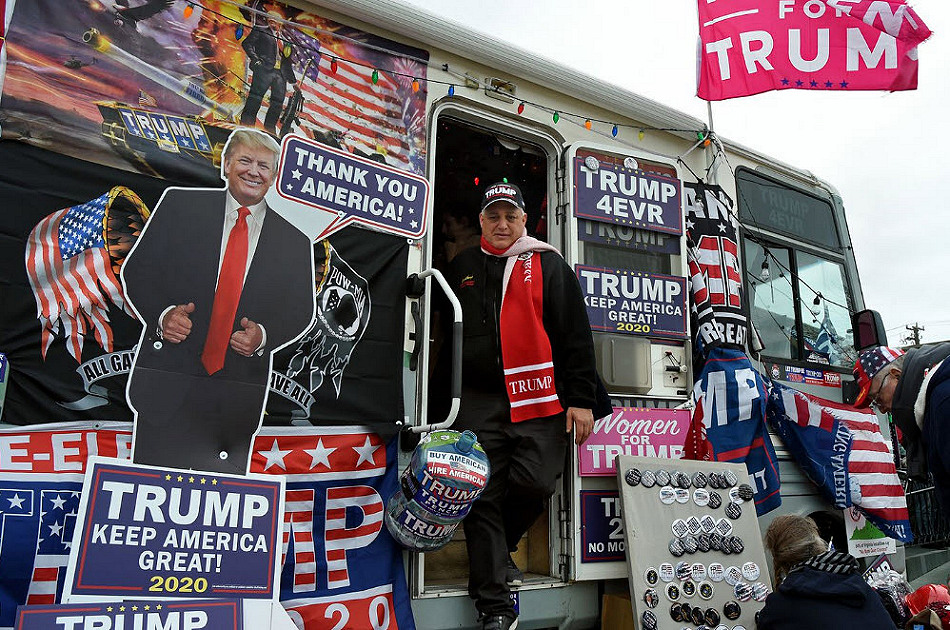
<point>868,330</point>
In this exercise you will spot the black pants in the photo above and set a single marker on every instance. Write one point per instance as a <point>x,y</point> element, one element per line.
<point>526,459</point>
<point>265,79</point>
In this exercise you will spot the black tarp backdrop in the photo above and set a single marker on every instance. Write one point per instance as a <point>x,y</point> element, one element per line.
<point>347,370</point>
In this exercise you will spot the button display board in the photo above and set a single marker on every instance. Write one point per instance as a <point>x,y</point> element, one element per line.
<point>694,550</point>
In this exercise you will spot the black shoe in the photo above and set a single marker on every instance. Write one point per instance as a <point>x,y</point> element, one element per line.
<point>499,622</point>
<point>513,574</point>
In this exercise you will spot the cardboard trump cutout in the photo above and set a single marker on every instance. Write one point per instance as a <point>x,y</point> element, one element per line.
<point>221,281</point>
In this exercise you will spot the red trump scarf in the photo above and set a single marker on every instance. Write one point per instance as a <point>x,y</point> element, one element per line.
<point>525,348</point>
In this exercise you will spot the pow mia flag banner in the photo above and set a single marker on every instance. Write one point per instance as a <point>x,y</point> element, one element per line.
<point>70,337</point>
<point>715,275</point>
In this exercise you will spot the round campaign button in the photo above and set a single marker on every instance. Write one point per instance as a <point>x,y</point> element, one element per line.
<point>667,573</point>
<point>733,510</point>
<point>731,610</point>
<point>731,478</point>
<point>716,571</point>
<point>743,591</point>
<point>715,480</point>
<point>689,588</point>
<point>711,617</point>
<point>738,627</point>
<point>684,570</point>
<point>723,527</point>
<point>702,542</point>
<point>699,479</point>
<point>679,528</point>
<point>663,478</point>
<point>682,496</point>
<point>706,590</point>
<point>591,163</point>
<point>692,524</point>
<point>672,592</point>
<point>699,571</point>
<point>750,571</point>
<point>651,598</point>
<point>667,495</point>
<point>737,545</point>
<point>760,591</point>
<point>690,545</point>
<point>648,479</point>
<point>157,345</point>
<point>676,547</point>
<point>715,541</point>
<point>708,523</point>
<point>701,497</point>
<point>746,492</point>
<point>687,610</point>
<point>734,495</point>
<point>715,500</point>
<point>697,615</point>
<point>648,620</point>
<point>676,612</point>
<point>733,575</point>
<point>722,626</point>
<point>683,480</point>
<point>632,476</point>
<point>651,576</point>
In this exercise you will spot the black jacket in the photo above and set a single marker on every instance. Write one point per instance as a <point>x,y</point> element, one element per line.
<point>263,48</point>
<point>936,432</point>
<point>476,279</point>
<point>916,363</point>
<point>812,597</point>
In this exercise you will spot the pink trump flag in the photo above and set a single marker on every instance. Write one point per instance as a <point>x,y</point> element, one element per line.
<point>753,46</point>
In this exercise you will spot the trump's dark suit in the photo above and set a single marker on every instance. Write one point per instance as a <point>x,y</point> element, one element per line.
<point>184,417</point>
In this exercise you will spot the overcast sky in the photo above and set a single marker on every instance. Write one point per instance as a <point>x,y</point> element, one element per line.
<point>886,153</point>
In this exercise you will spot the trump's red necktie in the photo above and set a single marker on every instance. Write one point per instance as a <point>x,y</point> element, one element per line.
<point>227,295</point>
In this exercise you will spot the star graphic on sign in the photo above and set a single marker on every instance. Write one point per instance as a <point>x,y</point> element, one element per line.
<point>722,228</point>
<point>296,174</point>
<point>844,84</point>
<point>168,477</point>
<point>290,186</point>
<point>689,224</point>
<point>814,83</point>
<point>784,81</point>
<point>180,478</point>
<point>275,456</point>
<point>16,501</point>
<point>319,454</point>
<point>58,503</point>
<point>366,451</point>
<point>109,609</point>
<point>56,529</point>
<point>829,84</point>
<point>414,224</point>
<point>799,83</point>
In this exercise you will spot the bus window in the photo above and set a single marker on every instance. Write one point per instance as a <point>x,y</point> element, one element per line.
<point>771,301</point>
<point>826,307</point>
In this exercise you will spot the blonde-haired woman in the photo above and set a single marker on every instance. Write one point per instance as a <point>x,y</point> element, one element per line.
<point>815,587</point>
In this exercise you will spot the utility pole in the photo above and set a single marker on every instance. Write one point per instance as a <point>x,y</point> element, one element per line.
<point>914,335</point>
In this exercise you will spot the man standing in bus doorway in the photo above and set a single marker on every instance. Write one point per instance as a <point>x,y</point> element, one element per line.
<point>528,379</point>
<point>269,55</point>
<point>915,388</point>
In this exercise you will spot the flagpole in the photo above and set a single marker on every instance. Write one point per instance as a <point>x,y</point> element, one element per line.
<point>713,179</point>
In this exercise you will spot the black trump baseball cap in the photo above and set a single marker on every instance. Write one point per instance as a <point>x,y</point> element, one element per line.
<point>502,191</point>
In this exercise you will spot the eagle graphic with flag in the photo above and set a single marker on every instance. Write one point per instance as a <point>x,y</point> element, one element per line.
<point>841,449</point>
<point>73,258</point>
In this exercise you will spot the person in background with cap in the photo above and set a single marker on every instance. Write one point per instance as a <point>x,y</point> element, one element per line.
<point>528,380</point>
<point>914,387</point>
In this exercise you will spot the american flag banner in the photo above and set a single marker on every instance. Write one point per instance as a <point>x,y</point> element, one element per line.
<point>341,568</point>
<point>72,273</point>
<point>363,116</point>
<point>842,450</point>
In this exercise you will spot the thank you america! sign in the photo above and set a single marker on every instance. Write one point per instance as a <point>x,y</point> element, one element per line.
<point>158,532</point>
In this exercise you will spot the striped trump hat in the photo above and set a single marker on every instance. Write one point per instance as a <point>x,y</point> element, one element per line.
<point>870,362</point>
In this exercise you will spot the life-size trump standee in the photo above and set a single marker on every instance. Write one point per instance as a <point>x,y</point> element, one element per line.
<point>220,281</point>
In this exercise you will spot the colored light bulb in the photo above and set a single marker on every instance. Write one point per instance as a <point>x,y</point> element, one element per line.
<point>188,11</point>
<point>239,31</point>
<point>333,65</point>
<point>640,135</point>
<point>614,131</point>
<point>415,85</point>
<point>587,124</point>
<point>521,108</point>
<point>556,117</point>
<point>287,50</point>
<point>451,90</point>
<point>375,76</point>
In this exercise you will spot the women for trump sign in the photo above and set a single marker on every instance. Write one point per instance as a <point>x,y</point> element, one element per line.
<point>753,46</point>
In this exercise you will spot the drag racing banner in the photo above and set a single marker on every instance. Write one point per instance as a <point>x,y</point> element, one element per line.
<point>634,303</point>
<point>754,46</point>
<point>146,531</point>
